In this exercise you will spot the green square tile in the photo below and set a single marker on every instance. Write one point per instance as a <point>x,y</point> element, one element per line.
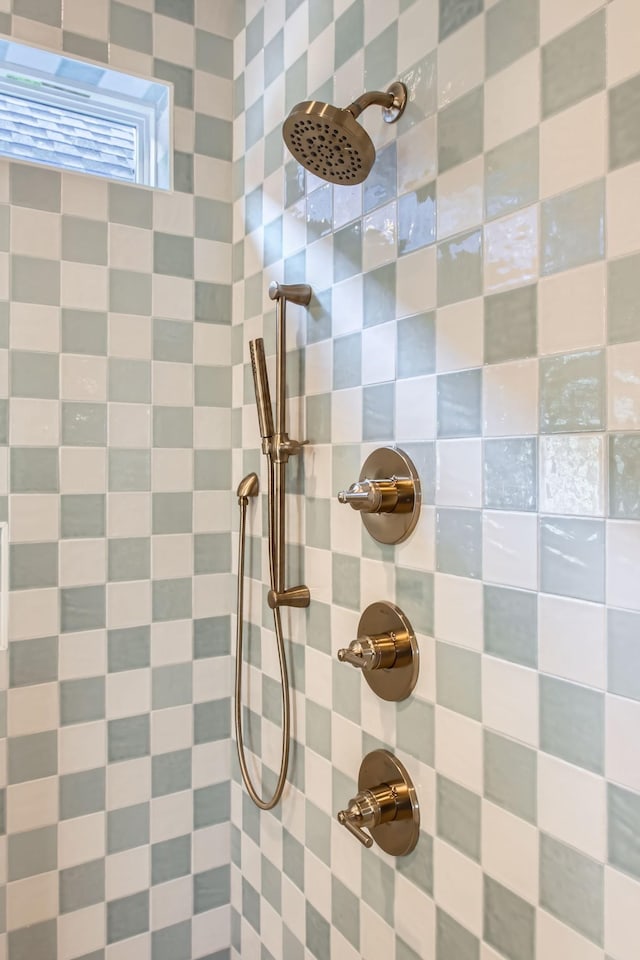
<point>455,13</point>
<point>381,59</point>
<point>572,888</point>
<point>347,251</point>
<point>82,701</point>
<point>511,32</point>
<point>509,922</point>
<point>129,558</point>
<point>129,738</point>
<point>379,295</point>
<point>213,137</point>
<point>317,523</point>
<point>172,943</point>
<point>211,721</point>
<point>572,392</point>
<point>212,386</point>
<point>213,220</point>
<point>459,542</point>
<point>378,412</point>
<point>129,470</point>
<point>378,887</point>
<point>345,912</point>
<point>271,885</point>
<point>130,205</point>
<point>180,77</point>
<point>460,404</point>
<point>82,608</point>
<point>33,661</point>
<point>453,941</point>
<point>572,552</point>
<point>416,345</point>
<point>415,730</point>
<point>84,241</point>
<point>211,889</point>
<point>82,885</point>
<point>214,54</point>
<point>347,361</point>
<point>458,679</point>
<point>510,474</point>
<point>33,566</point>
<point>511,775</point>
<point>172,341</point>
<point>82,515</point>
<point>458,817</point>
<point>182,172</point>
<point>131,28</point>
<point>624,829</point>
<point>128,827</point>
<point>213,303</point>
<point>34,187</point>
<point>414,594</point>
<point>511,624</point>
<point>34,470</point>
<point>460,268</point>
<point>211,805</point>
<point>32,757</point>
<point>461,130</point>
<point>510,324</point>
<point>380,187</point>
<point>170,859</point>
<point>318,412</point>
<point>572,723</point>
<point>318,832</point>
<point>129,292</point>
<point>624,122</point>
<point>129,380</point>
<point>624,476</point>
<point>38,940</point>
<point>84,424</point>
<point>349,33</point>
<point>319,212</point>
<point>88,49</point>
<point>171,599</point>
<point>254,37</point>
<point>82,793</point>
<point>172,513</point>
<point>318,729</point>
<point>273,58</point>
<point>128,648</point>
<point>623,294</point>
<point>572,228</point>
<point>346,581</point>
<point>172,427</point>
<point>573,65</point>
<point>127,917</point>
<point>84,331</point>
<point>623,651</point>
<point>212,553</point>
<point>417,866</point>
<point>173,255</point>
<point>34,374</point>
<point>417,219</point>
<point>32,852</point>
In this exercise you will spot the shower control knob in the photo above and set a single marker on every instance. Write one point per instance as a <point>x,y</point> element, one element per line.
<point>386,651</point>
<point>386,806</point>
<point>387,495</point>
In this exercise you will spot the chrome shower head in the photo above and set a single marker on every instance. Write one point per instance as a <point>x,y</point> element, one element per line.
<point>248,487</point>
<point>329,142</point>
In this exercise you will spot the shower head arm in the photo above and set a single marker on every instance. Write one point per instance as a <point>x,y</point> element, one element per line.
<point>392,101</point>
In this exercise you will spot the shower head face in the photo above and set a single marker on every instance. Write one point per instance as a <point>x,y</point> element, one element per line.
<point>329,142</point>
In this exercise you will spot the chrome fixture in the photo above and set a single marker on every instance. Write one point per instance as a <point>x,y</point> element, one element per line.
<point>329,142</point>
<point>277,447</point>
<point>386,651</point>
<point>386,805</point>
<point>387,495</point>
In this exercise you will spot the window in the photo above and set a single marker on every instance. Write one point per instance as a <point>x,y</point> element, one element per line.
<point>82,116</point>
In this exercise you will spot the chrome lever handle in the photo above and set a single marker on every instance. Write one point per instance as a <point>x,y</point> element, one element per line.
<point>347,655</point>
<point>364,838</point>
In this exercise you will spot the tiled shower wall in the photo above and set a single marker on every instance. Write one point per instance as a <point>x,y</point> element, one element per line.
<point>115,333</point>
<point>477,303</point>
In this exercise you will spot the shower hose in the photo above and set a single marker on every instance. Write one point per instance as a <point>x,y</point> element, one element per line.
<point>286,710</point>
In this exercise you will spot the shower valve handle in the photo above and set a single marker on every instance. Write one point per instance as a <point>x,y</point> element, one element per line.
<point>381,651</point>
<point>374,806</point>
<point>393,495</point>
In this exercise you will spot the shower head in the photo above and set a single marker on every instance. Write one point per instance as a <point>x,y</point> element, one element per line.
<point>248,487</point>
<point>329,142</point>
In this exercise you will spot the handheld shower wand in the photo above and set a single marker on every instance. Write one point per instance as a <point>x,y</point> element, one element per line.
<point>277,447</point>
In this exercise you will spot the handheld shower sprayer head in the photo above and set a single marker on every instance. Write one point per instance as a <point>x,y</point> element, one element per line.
<point>261,386</point>
<point>329,142</point>
<point>248,487</point>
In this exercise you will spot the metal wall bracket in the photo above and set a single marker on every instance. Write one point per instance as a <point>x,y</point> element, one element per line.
<point>387,495</point>
<point>386,651</point>
<point>386,806</point>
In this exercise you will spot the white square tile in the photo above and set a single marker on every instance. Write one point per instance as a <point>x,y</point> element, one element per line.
<point>621,908</point>
<point>511,250</point>
<point>556,18</point>
<point>82,747</point>
<point>32,709</point>
<point>85,196</point>
<point>572,640</point>
<point>35,233</point>
<point>128,693</point>
<point>510,548</point>
<point>32,805</point>
<point>461,61</point>
<point>512,100</point>
<point>573,146</point>
<point>415,917</point>
<point>623,29</point>
<point>510,699</point>
<point>128,604</point>
<point>458,886</point>
<point>460,336</point>
<point>622,762</point>
<point>416,282</point>
<point>346,416</point>
<point>623,211</point>
<point>171,902</point>
<point>416,409</point>
<point>82,562</point>
<point>417,155</point>
<point>459,611</point>
<point>571,309</point>
<point>82,655</point>
<point>556,939</point>
<point>172,729</point>
<point>83,286</point>
<point>510,399</point>
<point>129,514</point>
<point>623,558</point>
<point>459,473</point>
<point>34,517</point>
<point>460,197</point>
<point>417,31</point>
<point>572,474</point>
<point>128,783</point>
<point>379,353</point>
<point>83,470</point>
<point>130,248</point>
<point>129,336</point>
<point>34,423</point>
<point>127,872</point>
<point>34,326</point>
<point>81,930</point>
<point>318,366</point>
<point>129,425</point>
<point>81,839</point>
<point>380,237</point>
<point>459,748</point>
<point>510,851</point>
<point>572,806</point>
<point>33,613</point>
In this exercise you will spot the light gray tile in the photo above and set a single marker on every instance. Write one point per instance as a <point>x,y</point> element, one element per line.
<point>349,33</point>
<point>172,513</point>
<point>214,54</point>
<point>347,251</point>
<point>458,679</point>
<point>624,120</point>
<point>572,888</point>
<point>453,941</point>
<point>82,701</point>
<point>623,293</point>
<point>128,738</point>
<point>82,793</point>
<point>459,542</point>
<point>379,295</point>
<point>170,859</point>
<point>378,412</point>
<point>510,474</point>
<point>181,78</point>
<point>34,374</point>
<point>171,685</point>
<point>510,324</point>
<point>129,558</point>
<point>84,241</point>
<point>624,829</point>
<point>461,130</point>
<point>39,940</point>
<point>34,470</point>
<point>82,885</point>
<point>172,427</point>
<point>211,637</point>
<point>127,917</point>
<point>572,389</point>
<point>624,476</point>
<point>572,723</point>
<point>380,187</point>
<point>130,205</point>
<point>346,580</point>
<point>416,345</point>
<point>129,292</point>
<point>171,599</point>
<point>415,730</point>
<point>510,775</point>
<point>33,565</point>
<point>173,255</point>
<point>172,943</point>
<point>573,65</point>
<point>572,228</point>
<point>417,219</point>
<point>213,137</point>
<point>84,424</point>
<point>414,595</point>
<point>32,852</point>
<point>509,921</point>
<point>129,380</point>
<point>623,649</point>
<point>572,557</point>
<point>35,187</point>
<point>459,817</point>
<point>129,470</point>
<point>211,720</point>
<point>82,608</point>
<point>345,912</point>
<point>511,624</point>
<point>32,757</point>
<point>33,661</point>
<point>84,332</point>
<point>460,404</point>
<point>131,28</point>
<point>455,13</point>
<point>211,805</point>
<point>171,773</point>
<point>128,827</point>
<point>212,386</point>
<point>460,268</point>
